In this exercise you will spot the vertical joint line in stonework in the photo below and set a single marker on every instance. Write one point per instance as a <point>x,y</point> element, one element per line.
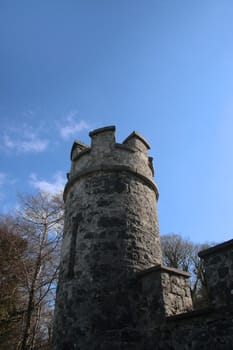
<point>72,251</point>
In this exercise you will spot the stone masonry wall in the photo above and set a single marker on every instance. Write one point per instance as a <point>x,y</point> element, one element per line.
<point>209,328</point>
<point>113,293</point>
<point>218,264</point>
<point>164,292</point>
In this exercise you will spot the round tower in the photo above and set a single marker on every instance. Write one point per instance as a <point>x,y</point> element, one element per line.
<point>110,233</point>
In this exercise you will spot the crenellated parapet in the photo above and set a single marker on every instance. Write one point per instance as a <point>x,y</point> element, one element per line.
<point>111,233</point>
<point>105,154</point>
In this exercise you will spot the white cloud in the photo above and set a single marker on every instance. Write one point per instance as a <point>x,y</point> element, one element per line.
<point>54,186</point>
<point>35,136</point>
<point>24,141</point>
<point>72,126</point>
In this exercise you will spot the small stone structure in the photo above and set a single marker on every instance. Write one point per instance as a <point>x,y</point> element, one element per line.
<point>113,291</point>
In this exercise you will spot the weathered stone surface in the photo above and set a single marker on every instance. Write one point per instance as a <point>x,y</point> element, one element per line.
<point>218,262</point>
<point>113,293</point>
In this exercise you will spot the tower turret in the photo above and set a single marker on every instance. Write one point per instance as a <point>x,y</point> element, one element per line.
<point>111,233</point>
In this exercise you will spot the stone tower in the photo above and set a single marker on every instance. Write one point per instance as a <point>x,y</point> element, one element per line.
<point>111,234</point>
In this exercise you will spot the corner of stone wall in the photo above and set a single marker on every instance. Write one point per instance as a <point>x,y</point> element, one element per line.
<point>176,291</point>
<point>151,303</point>
<point>166,292</point>
<point>218,265</point>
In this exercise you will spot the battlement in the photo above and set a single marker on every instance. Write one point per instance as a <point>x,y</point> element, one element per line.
<point>103,137</point>
<point>77,149</point>
<point>137,142</point>
<point>105,154</point>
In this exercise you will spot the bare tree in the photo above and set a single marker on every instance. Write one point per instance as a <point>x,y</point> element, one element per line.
<point>40,222</point>
<point>177,251</point>
<point>199,283</point>
<point>12,253</point>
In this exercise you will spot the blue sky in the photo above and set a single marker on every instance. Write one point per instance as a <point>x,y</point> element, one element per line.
<point>161,67</point>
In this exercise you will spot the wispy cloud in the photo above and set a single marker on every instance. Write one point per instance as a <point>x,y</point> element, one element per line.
<point>2,182</point>
<point>2,178</point>
<point>56,185</point>
<point>23,138</point>
<point>24,141</point>
<point>34,134</point>
<point>72,126</point>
